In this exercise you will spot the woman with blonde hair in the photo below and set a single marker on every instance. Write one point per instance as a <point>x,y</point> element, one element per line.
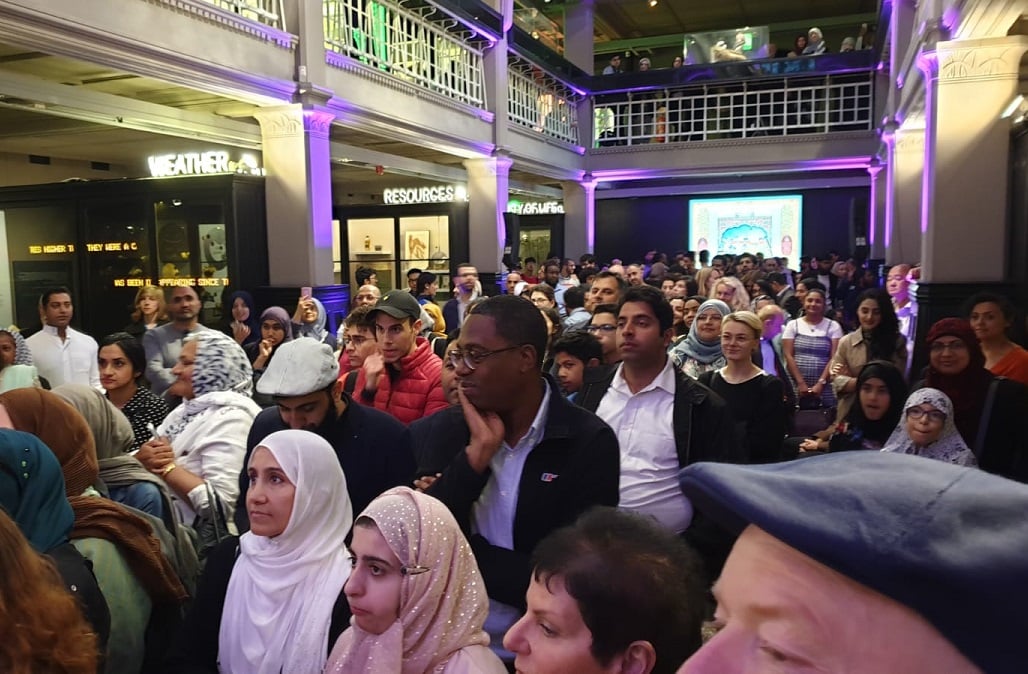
<point>43,627</point>
<point>417,597</point>
<point>705,279</point>
<point>150,311</point>
<point>731,291</point>
<point>756,399</point>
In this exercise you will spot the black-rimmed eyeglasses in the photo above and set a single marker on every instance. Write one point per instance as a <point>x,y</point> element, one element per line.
<point>472,359</point>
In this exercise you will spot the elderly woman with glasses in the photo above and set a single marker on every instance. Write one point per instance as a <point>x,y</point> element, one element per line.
<point>927,430</point>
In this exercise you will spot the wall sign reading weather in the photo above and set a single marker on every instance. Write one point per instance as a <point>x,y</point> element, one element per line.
<point>768,225</point>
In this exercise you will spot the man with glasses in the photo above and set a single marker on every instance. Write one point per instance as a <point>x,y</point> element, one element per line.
<point>527,460</point>
<point>603,327</point>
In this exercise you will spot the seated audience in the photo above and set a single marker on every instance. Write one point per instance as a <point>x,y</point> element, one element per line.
<point>870,421</point>
<point>43,627</point>
<point>991,317</point>
<point>986,409</point>
<point>417,597</point>
<point>572,355</point>
<point>126,480</point>
<point>136,578</point>
<point>927,430</point>
<point>701,351</point>
<point>122,362</point>
<point>32,494</point>
<point>403,378</point>
<point>808,586</point>
<point>198,450</point>
<point>310,320</point>
<point>370,445</point>
<point>612,593</point>
<point>756,400</point>
<point>272,600</point>
<point>517,459</point>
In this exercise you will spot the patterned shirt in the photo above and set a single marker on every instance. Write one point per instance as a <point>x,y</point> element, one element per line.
<point>144,407</point>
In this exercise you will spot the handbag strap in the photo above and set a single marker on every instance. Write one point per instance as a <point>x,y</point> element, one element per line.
<point>983,424</point>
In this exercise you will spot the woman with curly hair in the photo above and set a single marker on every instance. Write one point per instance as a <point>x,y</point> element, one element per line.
<point>731,291</point>
<point>43,627</point>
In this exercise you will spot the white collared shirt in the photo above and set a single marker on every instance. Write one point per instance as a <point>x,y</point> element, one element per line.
<point>68,361</point>
<point>492,516</point>
<point>644,425</point>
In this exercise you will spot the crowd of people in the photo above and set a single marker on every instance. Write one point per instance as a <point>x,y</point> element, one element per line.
<point>657,466</point>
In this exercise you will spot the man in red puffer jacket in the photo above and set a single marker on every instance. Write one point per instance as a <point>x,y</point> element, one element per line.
<point>404,377</point>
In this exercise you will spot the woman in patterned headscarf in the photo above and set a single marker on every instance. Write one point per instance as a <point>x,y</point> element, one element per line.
<point>202,443</point>
<point>16,368</point>
<point>417,597</point>
<point>927,430</point>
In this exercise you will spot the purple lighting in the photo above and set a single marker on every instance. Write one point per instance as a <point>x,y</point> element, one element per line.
<point>928,63</point>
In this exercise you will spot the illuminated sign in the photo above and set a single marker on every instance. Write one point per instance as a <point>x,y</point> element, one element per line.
<point>202,163</point>
<point>534,207</point>
<point>184,281</point>
<point>112,247</point>
<point>436,194</point>
<point>131,282</point>
<point>51,248</point>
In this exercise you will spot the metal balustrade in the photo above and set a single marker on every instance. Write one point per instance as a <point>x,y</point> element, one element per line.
<point>736,109</point>
<point>538,102</point>
<point>268,12</point>
<point>416,43</point>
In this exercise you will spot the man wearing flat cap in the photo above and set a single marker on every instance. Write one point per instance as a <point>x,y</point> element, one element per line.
<point>303,380</point>
<point>405,377</point>
<point>866,563</point>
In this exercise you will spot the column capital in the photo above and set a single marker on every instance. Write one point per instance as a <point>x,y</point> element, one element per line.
<point>293,120</point>
<point>994,58</point>
<point>497,165</point>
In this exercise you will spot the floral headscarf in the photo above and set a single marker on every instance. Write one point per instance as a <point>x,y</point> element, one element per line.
<point>22,353</point>
<point>950,447</point>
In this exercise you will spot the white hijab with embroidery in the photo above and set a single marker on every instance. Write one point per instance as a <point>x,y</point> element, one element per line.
<point>280,598</point>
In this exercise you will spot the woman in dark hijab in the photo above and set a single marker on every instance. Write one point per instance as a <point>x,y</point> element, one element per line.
<point>987,409</point>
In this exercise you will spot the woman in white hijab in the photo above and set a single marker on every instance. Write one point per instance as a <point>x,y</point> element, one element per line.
<point>283,606</point>
<point>417,597</point>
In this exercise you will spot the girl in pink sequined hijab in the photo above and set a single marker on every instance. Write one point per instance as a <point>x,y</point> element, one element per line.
<point>417,597</point>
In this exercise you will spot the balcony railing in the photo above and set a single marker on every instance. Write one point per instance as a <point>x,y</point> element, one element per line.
<point>736,109</point>
<point>264,11</point>
<point>419,44</point>
<point>537,101</point>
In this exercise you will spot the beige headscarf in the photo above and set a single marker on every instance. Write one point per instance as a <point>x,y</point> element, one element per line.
<point>442,610</point>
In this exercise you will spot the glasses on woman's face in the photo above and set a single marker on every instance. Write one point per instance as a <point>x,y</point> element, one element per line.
<point>916,413</point>
<point>472,358</point>
<point>956,345</point>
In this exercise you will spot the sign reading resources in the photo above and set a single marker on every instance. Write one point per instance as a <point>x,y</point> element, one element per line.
<point>202,163</point>
<point>436,194</point>
<point>534,207</point>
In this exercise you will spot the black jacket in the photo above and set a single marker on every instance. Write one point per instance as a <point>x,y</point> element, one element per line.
<point>703,427</point>
<point>371,445</point>
<point>196,647</point>
<point>575,466</point>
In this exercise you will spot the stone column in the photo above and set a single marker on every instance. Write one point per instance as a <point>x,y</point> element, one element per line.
<point>902,229</point>
<point>876,211</point>
<point>298,191</point>
<point>578,34</point>
<point>488,191</point>
<point>968,84</point>
<point>579,216</point>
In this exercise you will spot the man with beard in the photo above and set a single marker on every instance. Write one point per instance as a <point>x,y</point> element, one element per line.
<point>163,344</point>
<point>371,445</point>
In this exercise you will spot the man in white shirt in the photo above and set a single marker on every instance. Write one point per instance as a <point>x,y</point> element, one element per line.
<point>664,420</point>
<point>61,354</point>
